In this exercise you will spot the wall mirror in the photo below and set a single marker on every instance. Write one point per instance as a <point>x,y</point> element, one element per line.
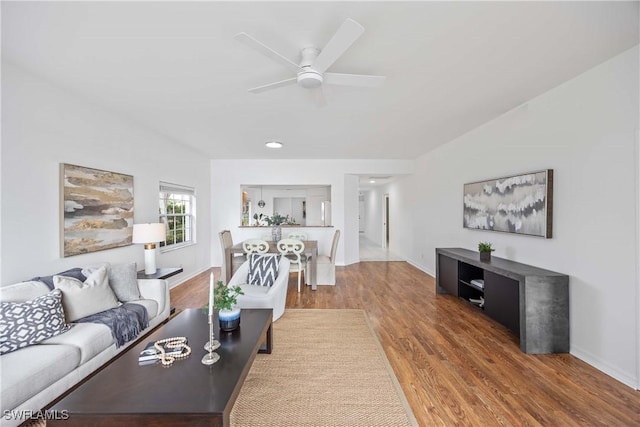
<point>305,205</point>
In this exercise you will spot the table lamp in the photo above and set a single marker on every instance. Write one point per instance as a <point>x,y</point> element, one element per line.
<point>149,235</point>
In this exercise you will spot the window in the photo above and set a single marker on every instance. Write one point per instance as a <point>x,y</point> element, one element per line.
<point>178,212</point>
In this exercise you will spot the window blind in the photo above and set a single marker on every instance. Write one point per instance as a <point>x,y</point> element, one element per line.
<point>166,187</point>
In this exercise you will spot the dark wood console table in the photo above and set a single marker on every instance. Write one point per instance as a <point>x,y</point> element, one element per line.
<point>530,301</point>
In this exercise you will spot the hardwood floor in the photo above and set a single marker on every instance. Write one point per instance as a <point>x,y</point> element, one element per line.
<point>457,366</point>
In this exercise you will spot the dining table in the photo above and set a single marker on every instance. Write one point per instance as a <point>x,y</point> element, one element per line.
<point>310,250</point>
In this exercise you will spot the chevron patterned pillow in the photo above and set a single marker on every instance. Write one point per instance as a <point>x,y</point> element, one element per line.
<point>263,269</point>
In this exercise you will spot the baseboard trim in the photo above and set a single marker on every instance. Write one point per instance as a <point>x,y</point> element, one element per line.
<point>421,268</point>
<point>191,276</point>
<point>604,367</point>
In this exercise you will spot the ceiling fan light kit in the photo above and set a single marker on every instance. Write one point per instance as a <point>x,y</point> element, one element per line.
<point>310,72</point>
<point>310,79</point>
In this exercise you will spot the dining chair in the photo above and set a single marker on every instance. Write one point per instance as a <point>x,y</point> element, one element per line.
<point>300,236</point>
<point>297,235</point>
<point>227,242</point>
<point>326,265</point>
<point>292,249</point>
<point>255,246</point>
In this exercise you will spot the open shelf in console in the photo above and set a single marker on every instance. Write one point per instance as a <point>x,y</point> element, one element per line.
<point>468,290</point>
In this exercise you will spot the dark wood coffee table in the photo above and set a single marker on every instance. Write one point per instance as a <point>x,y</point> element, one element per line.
<point>187,393</point>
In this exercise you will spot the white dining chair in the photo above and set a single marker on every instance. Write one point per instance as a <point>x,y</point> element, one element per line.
<point>292,249</point>
<point>326,265</point>
<point>255,246</point>
<point>226,242</point>
<point>298,236</point>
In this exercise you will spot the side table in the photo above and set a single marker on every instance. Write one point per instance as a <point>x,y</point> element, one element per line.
<point>162,273</point>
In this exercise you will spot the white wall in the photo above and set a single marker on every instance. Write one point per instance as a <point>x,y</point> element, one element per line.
<point>228,175</point>
<point>374,204</point>
<point>585,131</point>
<point>44,126</point>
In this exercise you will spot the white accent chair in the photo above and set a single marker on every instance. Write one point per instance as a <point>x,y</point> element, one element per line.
<point>226,242</point>
<point>256,296</point>
<point>292,249</point>
<point>255,246</point>
<point>326,265</point>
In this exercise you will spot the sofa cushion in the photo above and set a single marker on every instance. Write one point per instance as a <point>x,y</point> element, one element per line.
<point>28,371</point>
<point>26,323</point>
<point>150,305</point>
<point>90,338</point>
<point>263,269</point>
<point>81,299</point>
<point>76,273</point>
<point>123,279</point>
<point>24,291</point>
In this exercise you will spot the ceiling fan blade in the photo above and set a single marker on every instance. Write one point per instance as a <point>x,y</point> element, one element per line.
<point>346,35</point>
<point>360,80</point>
<point>317,95</point>
<point>275,85</point>
<point>267,51</point>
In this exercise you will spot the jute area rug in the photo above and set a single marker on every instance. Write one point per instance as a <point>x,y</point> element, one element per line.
<point>327,368</point>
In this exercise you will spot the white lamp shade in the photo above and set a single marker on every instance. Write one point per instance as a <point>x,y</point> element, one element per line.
<point>149,233</point>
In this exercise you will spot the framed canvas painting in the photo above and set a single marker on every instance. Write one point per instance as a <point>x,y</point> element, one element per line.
<point>97,209</point>
<point>521,204</point>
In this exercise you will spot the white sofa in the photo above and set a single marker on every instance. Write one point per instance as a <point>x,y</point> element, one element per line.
<point>34,376</point>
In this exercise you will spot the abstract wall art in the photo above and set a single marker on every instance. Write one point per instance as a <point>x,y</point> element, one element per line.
<point>519,204</point>
<point>97,209</point>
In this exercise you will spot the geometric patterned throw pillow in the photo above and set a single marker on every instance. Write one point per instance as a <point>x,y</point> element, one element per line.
<point>263,269</point>
<point>26,323</point>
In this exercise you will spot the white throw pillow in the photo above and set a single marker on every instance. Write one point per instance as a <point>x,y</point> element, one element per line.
<point>83,299</point>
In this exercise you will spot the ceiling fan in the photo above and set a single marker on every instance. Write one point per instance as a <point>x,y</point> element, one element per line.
<point>311,71</point>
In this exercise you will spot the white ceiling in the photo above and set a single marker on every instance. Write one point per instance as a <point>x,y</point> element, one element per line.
<point>175,68</point>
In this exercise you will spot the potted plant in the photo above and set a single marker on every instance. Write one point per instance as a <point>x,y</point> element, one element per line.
<point>225,300</point>
<point>258,219</point>
<point>485,250</point>
<point>275,221</point>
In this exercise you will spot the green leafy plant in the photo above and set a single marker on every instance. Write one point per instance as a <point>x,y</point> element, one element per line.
<point>277,219</point>
<point>224,297</point>
<point>485,247</point>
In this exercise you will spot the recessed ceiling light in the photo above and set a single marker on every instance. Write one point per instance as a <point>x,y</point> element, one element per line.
<point>372,181</point>
<point>273,144</point>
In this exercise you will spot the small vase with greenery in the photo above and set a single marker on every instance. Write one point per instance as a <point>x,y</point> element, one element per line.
<point>225,299</point>
<point>275,221</point>
<point>485,249</point>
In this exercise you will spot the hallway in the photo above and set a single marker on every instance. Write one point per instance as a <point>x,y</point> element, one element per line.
<point>369,251</point>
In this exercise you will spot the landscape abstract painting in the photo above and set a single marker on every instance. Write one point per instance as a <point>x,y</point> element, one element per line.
<point>519,204</point>
<point>98,209</point>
